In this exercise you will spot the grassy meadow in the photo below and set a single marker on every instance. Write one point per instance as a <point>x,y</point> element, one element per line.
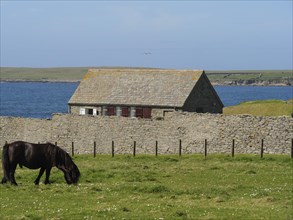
<point>264,75</point>
<point>163,187</point>
<point>262,108</point>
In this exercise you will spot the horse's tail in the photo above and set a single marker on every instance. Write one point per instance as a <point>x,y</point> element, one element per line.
<point>5,161</point>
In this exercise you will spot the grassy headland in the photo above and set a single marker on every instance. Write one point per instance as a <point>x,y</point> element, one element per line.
<point>251,77</point>
<point>163,187</point>
<point>69,74</point>
<point>262,108</point>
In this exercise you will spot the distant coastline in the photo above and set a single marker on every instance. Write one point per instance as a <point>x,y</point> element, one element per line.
<point>234,83</point>
<point>221,77</point>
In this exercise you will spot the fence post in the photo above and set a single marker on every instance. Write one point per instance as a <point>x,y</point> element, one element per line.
<point>72,148</point>
<point>112,148</point>
<point>56,143</point>
<point>95,149</point>
<point>6,142</point>
<point>134,148</point>
<point>180,147</point>
<point>292,148</point>
<point>261,149</point>
<point>233,146</point>
<point>205,148</point>
<point>156,148</point>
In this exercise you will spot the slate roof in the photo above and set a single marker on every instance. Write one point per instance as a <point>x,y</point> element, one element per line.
<point>135,87</point>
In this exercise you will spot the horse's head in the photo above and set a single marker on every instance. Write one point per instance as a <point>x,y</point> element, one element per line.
<point>70,170</point>
<point>72,175</point>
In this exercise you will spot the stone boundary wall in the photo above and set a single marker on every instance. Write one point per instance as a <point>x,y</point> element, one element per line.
<point>191,128</point>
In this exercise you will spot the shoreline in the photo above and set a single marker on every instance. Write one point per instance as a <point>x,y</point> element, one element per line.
<point>227,83</point>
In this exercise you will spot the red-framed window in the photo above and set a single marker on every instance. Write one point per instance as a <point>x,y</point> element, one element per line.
<point>147,112</point>
<point>144,112</point>
<point>139,112</point>
<point>125,111</point>
<point>111,110</point>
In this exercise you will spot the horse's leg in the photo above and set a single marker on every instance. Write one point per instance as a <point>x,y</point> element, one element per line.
<point>11,174</point>
<point>42,170</point>
<point>4,180</point>
<point>48,170</point>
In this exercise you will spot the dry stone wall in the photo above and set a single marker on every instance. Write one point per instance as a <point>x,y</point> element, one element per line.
<point>191,128</point>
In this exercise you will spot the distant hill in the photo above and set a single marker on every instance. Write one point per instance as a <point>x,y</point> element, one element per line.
<point>75,74</point>
<point>251,77</point>
<point>262,108</point>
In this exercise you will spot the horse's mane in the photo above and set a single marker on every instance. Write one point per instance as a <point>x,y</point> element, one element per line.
<point>61,156</point>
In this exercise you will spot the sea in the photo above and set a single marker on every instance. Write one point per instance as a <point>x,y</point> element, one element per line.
<point>40,100</point>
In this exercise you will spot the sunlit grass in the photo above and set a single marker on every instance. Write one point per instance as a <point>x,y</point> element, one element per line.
<point>262,108</point>
<point>163,187</point>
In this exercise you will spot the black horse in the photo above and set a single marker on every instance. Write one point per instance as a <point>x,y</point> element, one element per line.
<point>34,156</point>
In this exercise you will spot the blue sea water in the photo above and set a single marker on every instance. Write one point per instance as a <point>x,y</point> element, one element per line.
<point>40,100</point>
<point>34,99</point>
<point>233,95</point>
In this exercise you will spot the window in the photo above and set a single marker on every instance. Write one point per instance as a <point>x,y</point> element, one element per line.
<point>147,112</point>
<point>143,112</point>
<point>139,113</point>
<point>82,111</point>
<point>111,110</point>
<point>90,111</point>
<point>125,111</point>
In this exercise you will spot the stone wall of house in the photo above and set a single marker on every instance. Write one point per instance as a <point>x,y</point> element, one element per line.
<point>191,128</point>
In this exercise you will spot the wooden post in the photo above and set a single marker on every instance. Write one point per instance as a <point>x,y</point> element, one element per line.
<point>261,149</point>
<point>292,148</point>
<point>56,143</point>
<point>95,149</point>
<point>72,148</point>
<point>6,142</point>
<point>180,147</point>
<point>205,148</point>
<point>156,148</point>
<point>233,146</point>
<point>134,148</point>
<point>112,148</point>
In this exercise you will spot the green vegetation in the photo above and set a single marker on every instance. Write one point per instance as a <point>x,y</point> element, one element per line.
<point>163,187</point>
<point>261,77</point>
<point>262,108</point>
<point>77,73</point>
<point>42,74</point>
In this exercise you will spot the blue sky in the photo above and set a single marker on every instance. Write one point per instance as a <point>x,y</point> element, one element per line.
<point>211,35</point>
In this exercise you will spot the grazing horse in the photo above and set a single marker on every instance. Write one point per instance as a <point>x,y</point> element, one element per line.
<point>34,156</point>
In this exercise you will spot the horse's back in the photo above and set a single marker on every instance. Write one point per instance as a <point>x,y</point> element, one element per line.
<point>30,155</point>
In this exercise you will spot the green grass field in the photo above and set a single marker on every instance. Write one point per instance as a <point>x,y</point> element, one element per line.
<point>163,187</point>
<point>250,74</point>
<point>262,108</point>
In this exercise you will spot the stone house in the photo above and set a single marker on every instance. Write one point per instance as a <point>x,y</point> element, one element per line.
<point>144,93</point>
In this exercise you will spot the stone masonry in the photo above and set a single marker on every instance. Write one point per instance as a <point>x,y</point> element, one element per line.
<point>191,128</point>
